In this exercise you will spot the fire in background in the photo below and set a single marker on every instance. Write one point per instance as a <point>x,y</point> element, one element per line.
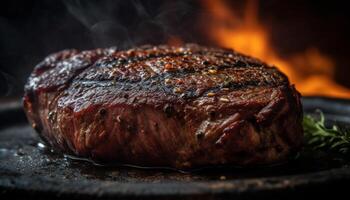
<point>310,70</point>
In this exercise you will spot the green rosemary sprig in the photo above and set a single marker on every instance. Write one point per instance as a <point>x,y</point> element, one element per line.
<point>318,136</point>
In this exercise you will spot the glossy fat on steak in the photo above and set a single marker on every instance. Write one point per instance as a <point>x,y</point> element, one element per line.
<point>181,107</point>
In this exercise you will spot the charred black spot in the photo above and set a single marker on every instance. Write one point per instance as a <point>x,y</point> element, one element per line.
<point>200,135</point>
<point>102,112</point>
<point>212,114</point>
<point>205,62</point>
<point>169,110</point>
<point>240,63</point>
<point>121,61</point>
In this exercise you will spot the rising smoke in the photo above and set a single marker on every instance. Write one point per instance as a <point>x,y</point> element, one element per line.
<point>129,23</point>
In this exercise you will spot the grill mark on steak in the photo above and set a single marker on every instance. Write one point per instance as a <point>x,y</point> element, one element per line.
<point>157,83</point>
<point>149,71</point>
<point>150,86</point>
<point>58,70</point>
<point>137,69</point>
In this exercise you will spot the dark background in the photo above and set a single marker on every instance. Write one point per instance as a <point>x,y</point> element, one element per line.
<point>32,29</point>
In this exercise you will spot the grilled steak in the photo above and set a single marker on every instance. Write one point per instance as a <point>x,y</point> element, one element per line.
<point>165,106</point>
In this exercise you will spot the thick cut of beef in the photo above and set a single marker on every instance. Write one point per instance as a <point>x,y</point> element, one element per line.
<point>165,106</point>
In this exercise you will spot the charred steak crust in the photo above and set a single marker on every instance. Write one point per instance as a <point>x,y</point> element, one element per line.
<point>165,106</point>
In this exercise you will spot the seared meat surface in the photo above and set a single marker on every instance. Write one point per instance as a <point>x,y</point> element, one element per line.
<point>165,106</point>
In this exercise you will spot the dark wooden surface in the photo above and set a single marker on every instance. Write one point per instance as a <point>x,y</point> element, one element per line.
<point>30,170</point>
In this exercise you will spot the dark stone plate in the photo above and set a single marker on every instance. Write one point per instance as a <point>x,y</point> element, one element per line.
<point>30,170</point>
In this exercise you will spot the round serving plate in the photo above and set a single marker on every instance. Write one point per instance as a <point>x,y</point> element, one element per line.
<point>28,169</point>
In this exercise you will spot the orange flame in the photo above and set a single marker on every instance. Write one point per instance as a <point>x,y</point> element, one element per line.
<point>311,71</point>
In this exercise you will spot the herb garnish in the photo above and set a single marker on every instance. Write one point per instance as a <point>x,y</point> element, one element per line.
<point>320,137</point>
